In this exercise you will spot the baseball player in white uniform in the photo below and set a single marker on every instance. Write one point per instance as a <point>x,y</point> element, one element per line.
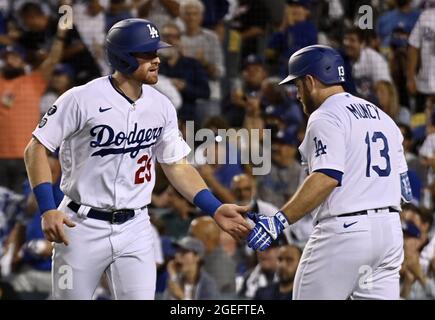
<point>111,132</point>
<point>356,167</point>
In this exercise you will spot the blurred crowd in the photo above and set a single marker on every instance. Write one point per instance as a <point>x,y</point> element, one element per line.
<point>222,72</point>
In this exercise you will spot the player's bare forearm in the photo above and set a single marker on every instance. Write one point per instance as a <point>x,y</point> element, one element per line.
<point>38,170</point>
<point>218,189</point>
<point>314,190</point>
<point>37,165</point>
<point>185,178</point>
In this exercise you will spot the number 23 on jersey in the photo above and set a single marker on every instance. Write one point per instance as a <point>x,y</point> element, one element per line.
<point>144,171</point>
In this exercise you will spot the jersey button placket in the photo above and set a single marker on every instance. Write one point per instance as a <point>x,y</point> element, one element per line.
<point>124,167</point>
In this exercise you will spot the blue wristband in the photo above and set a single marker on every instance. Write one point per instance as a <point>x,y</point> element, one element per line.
<point>44,196</point>
<point>206,201</point>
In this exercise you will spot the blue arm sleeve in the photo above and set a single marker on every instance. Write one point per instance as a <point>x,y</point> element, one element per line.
<point>335,174</point>
<point>207,202</point>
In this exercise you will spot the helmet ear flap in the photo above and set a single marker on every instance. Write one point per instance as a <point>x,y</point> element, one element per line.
<point>124,62</point>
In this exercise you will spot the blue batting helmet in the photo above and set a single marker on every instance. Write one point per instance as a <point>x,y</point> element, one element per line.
<point>321,62</point>
<point>131,36</point>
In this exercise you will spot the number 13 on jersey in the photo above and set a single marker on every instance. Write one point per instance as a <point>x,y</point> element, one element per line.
<point>378,142</point>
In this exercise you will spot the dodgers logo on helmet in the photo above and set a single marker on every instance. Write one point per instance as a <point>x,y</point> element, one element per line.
<point>129,36</point>
<point>321,62</point>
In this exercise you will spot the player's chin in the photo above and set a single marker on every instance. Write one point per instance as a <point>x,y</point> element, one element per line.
<point>151,78</point>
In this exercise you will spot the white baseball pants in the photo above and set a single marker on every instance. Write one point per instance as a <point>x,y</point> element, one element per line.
<point>124,252</point>
<point>357,257</point>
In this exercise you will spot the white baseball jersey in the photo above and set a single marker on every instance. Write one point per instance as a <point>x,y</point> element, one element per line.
<point>109,145</point>
<point>352,136</point>
<point>423,38</point>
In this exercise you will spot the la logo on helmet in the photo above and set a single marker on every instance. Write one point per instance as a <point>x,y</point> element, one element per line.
<point>153,31</point>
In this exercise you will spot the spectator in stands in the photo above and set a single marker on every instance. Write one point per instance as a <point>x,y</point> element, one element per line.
<point>186,74</point>
<point>187,278</point>
<point>421,48</point>
<point>214,13</point>
<point>328,16</point>
<point>281,183</point>
<point>224,160</point>
<point>419,252</point>
<point>296,33</point>
<point>416,171</point>
<point>217,263</point>
<point>12,210</point>
<point>427,157</point>
<point>40,30</point>
<point>20,98</point>
<point>118,10</point>
<point>181,214</point>
<point>422,219</point>
<point>160,12</point>
<point>253,74</point>
<point>166,87</point>
<point>32,265</point>
<point>427,258</point>
<point>245,192</point>
<point>403,15</point>
<point>409,149</point>
<point>398,57</point>
<point>288,260</point>
<point>204,46</point>
<point>33,277</point>
<point>386,95</point>
<point>263,274</point>
<point>90,21</point>
<point>243,188</point>
<point>279,112</point>
<point>250,20</point>
<point>417,280</point>
<point>61,81</point>
<point>368,66</point>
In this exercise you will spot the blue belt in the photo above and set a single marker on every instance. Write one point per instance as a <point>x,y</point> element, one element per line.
<point>114,217</point>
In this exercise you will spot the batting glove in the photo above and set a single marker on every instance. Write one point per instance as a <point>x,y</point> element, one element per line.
<point>266,229</point>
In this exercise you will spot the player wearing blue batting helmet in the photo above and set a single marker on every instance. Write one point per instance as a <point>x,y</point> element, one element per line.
<point>321,62</point>
<point>129,37</point>
<point>317,71</point>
